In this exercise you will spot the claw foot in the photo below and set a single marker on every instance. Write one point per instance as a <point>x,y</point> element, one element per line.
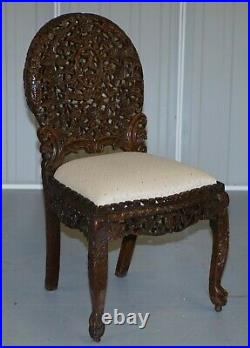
<point>96,326</point>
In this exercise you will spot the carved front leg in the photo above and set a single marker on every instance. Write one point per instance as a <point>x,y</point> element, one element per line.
<point>98,272</point>
<point>220,230</point>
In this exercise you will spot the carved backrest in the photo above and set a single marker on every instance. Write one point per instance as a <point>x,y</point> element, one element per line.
<point>84,83</point>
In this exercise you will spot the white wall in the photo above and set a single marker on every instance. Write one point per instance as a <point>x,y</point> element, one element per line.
<point>214,110</point>
<point>216,89</point>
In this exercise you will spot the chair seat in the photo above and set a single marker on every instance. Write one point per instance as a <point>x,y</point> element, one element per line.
<point>127,176</point>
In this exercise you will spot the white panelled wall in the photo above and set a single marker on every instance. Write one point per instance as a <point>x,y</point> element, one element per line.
<point>194,58</point>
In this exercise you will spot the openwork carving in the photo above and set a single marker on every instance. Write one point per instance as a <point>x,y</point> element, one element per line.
<point>55,146</point>
<point>154,216</point>
<point>83,79</point>
<point>84,83</point>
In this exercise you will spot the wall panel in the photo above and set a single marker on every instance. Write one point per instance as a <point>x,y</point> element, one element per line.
<point>20,157</point>
<point>238,135</point>
<point>215,77</point>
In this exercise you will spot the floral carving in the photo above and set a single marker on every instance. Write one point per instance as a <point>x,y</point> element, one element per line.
<point>147,216</point>
<point>83,76</point>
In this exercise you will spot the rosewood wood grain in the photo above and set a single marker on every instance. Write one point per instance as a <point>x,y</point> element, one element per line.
<point>84,83</point>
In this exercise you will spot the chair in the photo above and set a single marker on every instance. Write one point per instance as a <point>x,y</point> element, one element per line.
<point>83,82</point>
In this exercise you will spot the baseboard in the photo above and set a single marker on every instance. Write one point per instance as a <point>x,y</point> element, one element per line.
<point>39,187</point>
<point>236,188</point>
<point>22,186</point>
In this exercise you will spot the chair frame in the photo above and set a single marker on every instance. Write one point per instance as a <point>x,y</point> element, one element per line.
<point>126,220</point>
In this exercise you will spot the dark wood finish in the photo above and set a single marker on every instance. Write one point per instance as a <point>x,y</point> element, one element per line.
<point>98,273</point>
<point>52,242</point>
<point>125,256</point>
<point>220,229</point>
<point>83,82</point>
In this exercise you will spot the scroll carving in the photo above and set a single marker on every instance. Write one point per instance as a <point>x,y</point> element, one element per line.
<point>137,134</point>
<point>55,146</point>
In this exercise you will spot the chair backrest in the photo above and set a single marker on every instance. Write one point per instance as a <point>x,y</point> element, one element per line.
<point>84,83</point>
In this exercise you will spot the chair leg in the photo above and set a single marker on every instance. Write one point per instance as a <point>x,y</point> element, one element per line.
<point>125,256</point>
<point>220,230</point>
<point>98,274</point>
<point>52,248</point>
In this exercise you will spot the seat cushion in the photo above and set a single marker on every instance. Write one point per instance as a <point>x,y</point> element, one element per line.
<point>127,176</point>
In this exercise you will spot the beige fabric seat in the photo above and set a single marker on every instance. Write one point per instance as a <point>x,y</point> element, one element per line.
<point>126,176</point>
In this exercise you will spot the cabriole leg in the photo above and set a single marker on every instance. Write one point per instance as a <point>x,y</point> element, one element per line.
<point>220,230</point>
<point>98,273</point>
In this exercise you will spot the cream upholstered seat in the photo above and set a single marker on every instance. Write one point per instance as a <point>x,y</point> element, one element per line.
<point>127,176</point>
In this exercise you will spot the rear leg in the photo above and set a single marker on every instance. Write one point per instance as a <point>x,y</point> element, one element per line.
<point>125,256</point>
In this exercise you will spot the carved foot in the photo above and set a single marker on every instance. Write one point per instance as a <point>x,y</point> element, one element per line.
<point>218,296</point>
<point>96,326</point>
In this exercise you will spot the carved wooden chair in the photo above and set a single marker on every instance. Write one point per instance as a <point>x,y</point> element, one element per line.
<point>84,83</point>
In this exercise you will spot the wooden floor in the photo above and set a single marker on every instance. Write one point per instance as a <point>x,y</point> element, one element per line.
<point>168,278</point>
